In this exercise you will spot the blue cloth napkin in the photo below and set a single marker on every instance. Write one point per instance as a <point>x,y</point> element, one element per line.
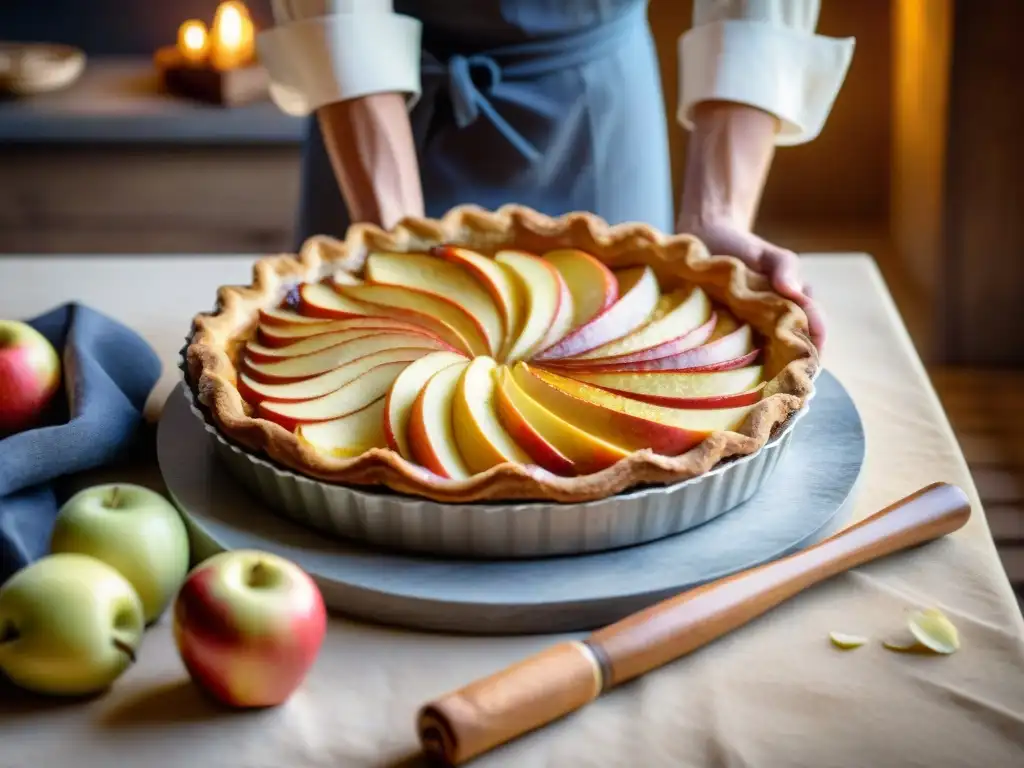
<point>108,373</point>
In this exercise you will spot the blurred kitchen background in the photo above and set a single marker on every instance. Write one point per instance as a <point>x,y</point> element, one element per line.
<point>919,165</point>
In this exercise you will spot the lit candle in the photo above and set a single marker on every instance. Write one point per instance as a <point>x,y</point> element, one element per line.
<point>233,36</point>
<point>192,41</point>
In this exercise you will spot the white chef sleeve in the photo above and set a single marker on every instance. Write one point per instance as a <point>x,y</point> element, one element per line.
<point>765,54</point>
<point>323,51</point>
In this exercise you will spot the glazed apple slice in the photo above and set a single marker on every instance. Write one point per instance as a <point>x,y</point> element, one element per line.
<point>545,295</point>
<point>587,452</point>
<point>638,298</point>
<point>591,284</point>
<point>446,318</point>
<point>254,391</point>
<point>279,316</point>
<point>672,325</point>
<point>431,431</point>
<point>321,300</point>
<point>540,450</point>
<point>441,278</point>
<point>500,283</point>
<point>259,353</point>
<point>281,335</point>
<point>622,421</point>
<point>726,389</point>
<point>351,397</point>
<point>482,440</point>
<point>403,393</point>
<point>308,366</point>
<point>350,435</point>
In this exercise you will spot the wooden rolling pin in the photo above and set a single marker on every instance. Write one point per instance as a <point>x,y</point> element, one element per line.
<point>489,712</point>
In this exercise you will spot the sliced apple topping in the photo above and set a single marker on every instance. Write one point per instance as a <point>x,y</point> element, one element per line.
<point>544,310</point>
<point>499,281</point>
<point>591,284</point>
<point>479,434</point>
<point>550,439</point>
<point>461,361</point>
<point>353,396</point>
<point>675,389</point>
<point>431,432</point>
<point>307,366</point>
<point>350,435</point>
<point>317,386</point>
<point>446,318</point>
<point>447,280</point>
<point>630,424</point>
<point>403,393</point>
<point>638,298</point>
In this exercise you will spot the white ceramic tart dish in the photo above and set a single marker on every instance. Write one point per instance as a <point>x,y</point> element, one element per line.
<point>492,358</point>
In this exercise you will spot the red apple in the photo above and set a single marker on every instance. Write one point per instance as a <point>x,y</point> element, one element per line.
<point>248,626</point>
<point>29,375</point>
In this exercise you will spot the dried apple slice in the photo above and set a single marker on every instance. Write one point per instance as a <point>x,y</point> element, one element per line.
<point>591,284</point>
<point>350,435</point>
<point>638,298</point>
<point>257,391</point>
<point>403,393</point>
<point>307,366</point>
<point>482,440</point>
<point>622,421</point>
<point>351,397</point>
<point>446,318</point>
<point>545,295</point>
<point>431,431</point>
<point>526,419</point>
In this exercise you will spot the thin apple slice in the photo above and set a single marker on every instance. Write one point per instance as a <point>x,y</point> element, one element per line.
<point>349,435</point>
<point>254,391</point>
<point>638,298</point>
<point>321,300</point>
<point>441,278</point>
<point>676,317</point>
<point>308,366</point>
<point>622,421</point>
<point>727,389</point>
<point>403,393</point>
<point>258,353</point>
<point>431,431</point>
<point>280,316</point>
<point>592,285</point>
<point>526,420</point>
<point>500,283</point>
<point>445,318</point>
<point>283,335</point>
<point>354,396</point>
<point>342,277</point>
<point>482,440</point>
<point>543,291</point>
<point>733,350</point>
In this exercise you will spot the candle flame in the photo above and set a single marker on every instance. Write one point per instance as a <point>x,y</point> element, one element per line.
<point>229,24</point>
<point>193,40</point>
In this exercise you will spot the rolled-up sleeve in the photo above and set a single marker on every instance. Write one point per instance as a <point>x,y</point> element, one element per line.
<point>323,51</point>
<point>765,54</point>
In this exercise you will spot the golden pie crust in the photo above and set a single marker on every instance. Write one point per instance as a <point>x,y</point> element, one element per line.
<point>790,358</point>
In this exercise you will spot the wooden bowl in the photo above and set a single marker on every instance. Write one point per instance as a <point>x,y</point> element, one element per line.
<point>27,69</point>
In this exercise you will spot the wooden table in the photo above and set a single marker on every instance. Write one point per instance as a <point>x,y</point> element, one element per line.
<point>773,694</point>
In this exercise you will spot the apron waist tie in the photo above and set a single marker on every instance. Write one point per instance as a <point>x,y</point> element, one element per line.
<point>499,68</point>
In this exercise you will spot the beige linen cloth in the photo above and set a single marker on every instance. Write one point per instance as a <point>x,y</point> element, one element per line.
<point>772,694</point>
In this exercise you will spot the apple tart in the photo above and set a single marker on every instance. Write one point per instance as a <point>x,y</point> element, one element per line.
<point>493,356</point>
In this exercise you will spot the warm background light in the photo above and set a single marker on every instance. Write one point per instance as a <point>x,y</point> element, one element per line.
<point>193,40</point>
<point>233,36</point>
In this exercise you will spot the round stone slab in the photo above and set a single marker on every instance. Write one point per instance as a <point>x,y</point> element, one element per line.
<point>803,501</point>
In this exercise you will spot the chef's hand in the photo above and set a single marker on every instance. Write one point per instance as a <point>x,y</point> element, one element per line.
<point>779,265</point>
<point>727,158</point>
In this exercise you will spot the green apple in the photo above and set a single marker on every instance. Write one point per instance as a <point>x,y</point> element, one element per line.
<point>134,529</point>
<point>69,625</point>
